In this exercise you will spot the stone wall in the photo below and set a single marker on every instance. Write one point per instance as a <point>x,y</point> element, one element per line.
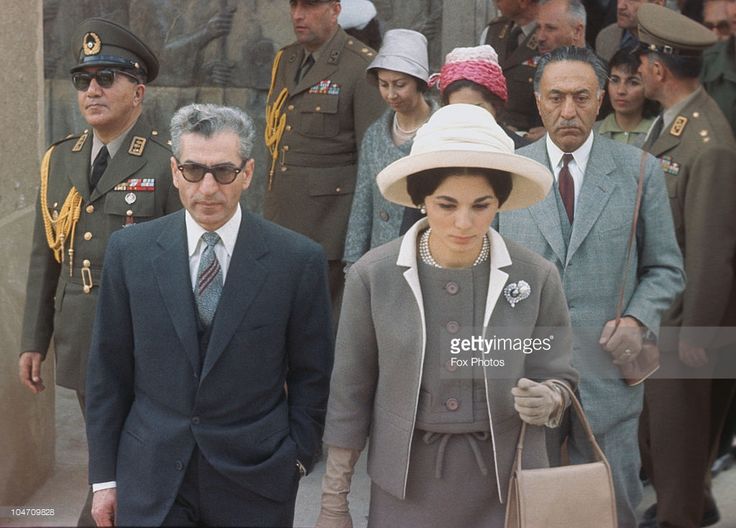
<point>27,432</point>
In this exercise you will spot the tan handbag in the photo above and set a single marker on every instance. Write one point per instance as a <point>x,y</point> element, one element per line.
<point>647,362</point>
<point>576,496</point>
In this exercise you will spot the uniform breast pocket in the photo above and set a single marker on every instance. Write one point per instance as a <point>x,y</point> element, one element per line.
<point>138,205</point>
<point>319,116</point>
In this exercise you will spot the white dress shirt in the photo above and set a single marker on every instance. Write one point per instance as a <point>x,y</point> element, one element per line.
<point>577,166</point>
<point>224,251</point>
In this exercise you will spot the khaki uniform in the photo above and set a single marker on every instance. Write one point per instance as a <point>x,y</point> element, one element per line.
<point>698,156</point>
<point>311,190</point>
<point>136,186</point>
<point>518,68</point>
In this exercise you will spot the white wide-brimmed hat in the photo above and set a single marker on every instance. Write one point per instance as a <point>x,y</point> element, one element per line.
<point>403,50</point>
<point>463,135</point>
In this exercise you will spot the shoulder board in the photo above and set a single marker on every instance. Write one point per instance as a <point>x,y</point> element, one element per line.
<point>701,125</point>
<point>500,19</point>
<point>158,138</point>
<point>361,49</point>
<point>69,137</point>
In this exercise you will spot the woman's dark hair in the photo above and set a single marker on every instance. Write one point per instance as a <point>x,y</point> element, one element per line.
<point>629,61</point>
<point>424,183</point>
<point>489,97</point>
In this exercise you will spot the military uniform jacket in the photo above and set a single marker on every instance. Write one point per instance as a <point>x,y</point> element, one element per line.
<point>326,115</point>
<point>518,67</point>
<point>135,187</point>
<point>698,156</point>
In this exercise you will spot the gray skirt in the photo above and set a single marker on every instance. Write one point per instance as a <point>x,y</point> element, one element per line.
<point>451,483</point>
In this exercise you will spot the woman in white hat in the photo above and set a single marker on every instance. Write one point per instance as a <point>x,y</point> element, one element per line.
<point>400,70</point>
<point>431,360</point>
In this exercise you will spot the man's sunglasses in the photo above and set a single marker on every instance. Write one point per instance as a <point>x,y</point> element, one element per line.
<point>223,174</point>
<point>105,78</point>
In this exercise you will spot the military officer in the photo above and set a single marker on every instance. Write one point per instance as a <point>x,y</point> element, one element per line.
<point>318,108</point>
<point>693,140</point>
<point>112,175</point>
<point>513,37</point>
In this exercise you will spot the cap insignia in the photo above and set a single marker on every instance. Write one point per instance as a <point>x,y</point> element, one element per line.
<point>91,43</point>
<point>678,126</point>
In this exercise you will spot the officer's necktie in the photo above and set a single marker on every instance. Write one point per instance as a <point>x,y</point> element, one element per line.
<point>654,132</point>
<point>567,187</point>
<point>304,68</point>
<point>98,167</point>
<point>209,280</point>
<point>513,42</point>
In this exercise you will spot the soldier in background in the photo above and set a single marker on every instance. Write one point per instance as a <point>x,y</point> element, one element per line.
<point>684,411</point>
<point>319,105</point>
<point>513,37</point>
<point>110,176</point>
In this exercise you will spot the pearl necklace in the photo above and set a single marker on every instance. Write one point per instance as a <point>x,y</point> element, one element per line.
<point>428,259</point>
<point>398,128</point>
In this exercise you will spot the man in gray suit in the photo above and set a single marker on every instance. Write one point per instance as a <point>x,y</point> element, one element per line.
<point>583,226</point>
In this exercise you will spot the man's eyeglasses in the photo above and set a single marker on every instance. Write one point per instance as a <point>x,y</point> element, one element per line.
<point>105,78</point>
<point>223,174</point>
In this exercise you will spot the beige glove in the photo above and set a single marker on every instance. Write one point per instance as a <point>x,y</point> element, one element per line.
<point>334,511</point>
<point>538,403</point>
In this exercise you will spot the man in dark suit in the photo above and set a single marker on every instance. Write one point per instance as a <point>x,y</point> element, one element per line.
<point>109,176</point>
<point>212,350</point>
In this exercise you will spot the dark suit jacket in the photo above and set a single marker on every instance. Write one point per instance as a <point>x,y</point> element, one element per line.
<point>148,400</point>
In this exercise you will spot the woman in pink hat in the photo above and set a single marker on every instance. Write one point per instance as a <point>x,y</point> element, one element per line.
<point>425,364</point>
<point>473,76</point>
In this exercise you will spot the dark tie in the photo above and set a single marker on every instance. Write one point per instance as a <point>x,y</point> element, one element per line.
<point>209,280</point>
<point>567,187</point>
<point>513,42</point>
<point>304,68</point>
<point>98,167</point>
<point>654,133</point>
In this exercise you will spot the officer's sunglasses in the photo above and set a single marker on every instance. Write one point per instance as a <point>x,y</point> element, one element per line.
<point>223,174</point>
<point>105,78</point>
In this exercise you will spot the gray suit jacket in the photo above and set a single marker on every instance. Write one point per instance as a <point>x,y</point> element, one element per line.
<point>381,347</point>
<point>593,263</point>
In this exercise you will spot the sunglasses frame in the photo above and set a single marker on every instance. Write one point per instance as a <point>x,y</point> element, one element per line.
<point>88,76</point>
<point>211,170</point>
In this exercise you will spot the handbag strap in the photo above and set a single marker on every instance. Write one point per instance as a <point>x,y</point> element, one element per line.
<point>597,451</point>
<point>630,243</point>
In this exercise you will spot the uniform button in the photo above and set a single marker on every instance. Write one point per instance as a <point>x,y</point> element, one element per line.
<point>195,420</point>
<point>283,169</point>
<point>286,148</point>
<point>154,132</point>
<point>452,404</point>
<point>86,263</point>
<point>318,108</point>
<point>338,189</point>
<point>364,50</point>
<point>88,236</point>
<point>452,288</point>
<point>288,128</point>
<point>450,366</point>
<point>384,215</point>
<point>452,327</point>
<point>129,212</point>
<point>290,107</point>
<point>90,209</point>
<point>179,465</point>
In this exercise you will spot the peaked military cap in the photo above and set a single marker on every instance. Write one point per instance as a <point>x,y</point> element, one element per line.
<point>666,31</point>
<point>101,42</point>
